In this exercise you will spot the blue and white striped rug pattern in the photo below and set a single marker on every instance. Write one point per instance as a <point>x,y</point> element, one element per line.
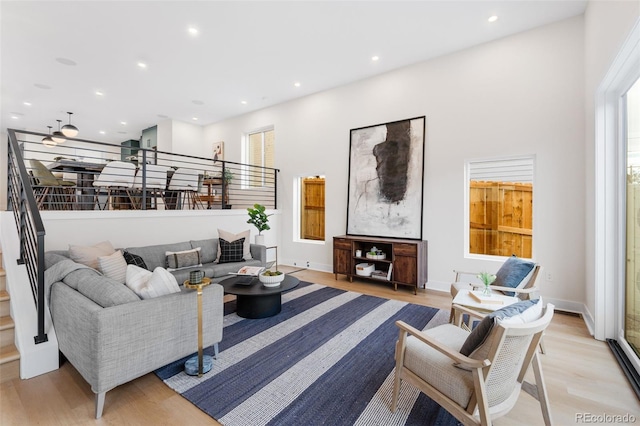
<point>327,358</point>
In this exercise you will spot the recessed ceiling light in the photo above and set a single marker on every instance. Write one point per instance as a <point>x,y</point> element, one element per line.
<point>14,117</point>
<point>375,58</point>
<point>197,102</point>
<point>42,86</point>
<point>26,103</point>
<point>65,61</point>
<point>193,31</point>
<point>99,93</point>
<point>194,118</point>
<point>297,84</point>
<point>102,132</point>
<point>142,65</point>
<point>122,133</point>
<point>163,116</point>
<point>243,102</point>
<point>124,123</point>
<point>493,18</point>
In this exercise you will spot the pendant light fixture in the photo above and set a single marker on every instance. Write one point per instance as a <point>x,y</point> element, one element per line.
<point>58,136</point>
<point>69,130</point>
<point>48,141</point>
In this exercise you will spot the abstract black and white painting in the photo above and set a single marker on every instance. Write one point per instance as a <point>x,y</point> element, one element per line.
<point>386,170</point>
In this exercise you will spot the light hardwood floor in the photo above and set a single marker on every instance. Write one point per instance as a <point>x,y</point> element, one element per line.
<point>580,372</point>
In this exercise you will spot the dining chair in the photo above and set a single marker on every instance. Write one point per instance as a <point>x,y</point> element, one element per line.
<point>187,183</point>
<point>476,376</point>
<point>115,177</point>
<point>51,192</point>
<point>155,183</point>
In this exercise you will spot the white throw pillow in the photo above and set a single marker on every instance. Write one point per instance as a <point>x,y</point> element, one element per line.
<point>528,315</point>
<point>162,282</point>
<point>148,284</point>
<point>137,278</point>
<point>88,255</point>
<point>113,266</point>
<point>229,237</point>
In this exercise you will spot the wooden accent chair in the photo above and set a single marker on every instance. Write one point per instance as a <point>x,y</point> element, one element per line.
<point>116,176</point>
<point>51,193</point>
<point>483,386</point>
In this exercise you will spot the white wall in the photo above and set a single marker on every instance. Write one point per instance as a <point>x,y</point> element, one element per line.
<point>523,94</point>
<point>607,25</point>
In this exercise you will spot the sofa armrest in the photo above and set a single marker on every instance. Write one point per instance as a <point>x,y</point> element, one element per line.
<point>111,346</point>
<point>259,252</point>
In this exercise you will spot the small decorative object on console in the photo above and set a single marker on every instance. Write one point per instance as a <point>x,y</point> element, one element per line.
<point>376,253</point>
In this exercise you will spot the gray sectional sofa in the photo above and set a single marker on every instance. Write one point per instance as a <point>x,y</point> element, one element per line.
<point>111,336</point>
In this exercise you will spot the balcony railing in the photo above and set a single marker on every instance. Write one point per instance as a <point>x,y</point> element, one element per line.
<point>89,175</point>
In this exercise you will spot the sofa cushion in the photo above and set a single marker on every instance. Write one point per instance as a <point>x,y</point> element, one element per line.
<point>134,259</point>
<point>209,249</point>
<point>104,291</point>
<point>473,344</point>
<point>513,272</point>
<point>231,251</point>
<point>88,255</point>
<point>113,266</point>
<point>154,256</point>
<point>230,237</point>
<point>183,259</point>
<point>148,284</point>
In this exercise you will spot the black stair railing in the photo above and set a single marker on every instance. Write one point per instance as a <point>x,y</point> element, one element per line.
<point>21,200</point>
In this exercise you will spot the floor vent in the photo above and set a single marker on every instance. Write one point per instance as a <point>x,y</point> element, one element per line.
<point>625,364</point>
<point>569,313</point>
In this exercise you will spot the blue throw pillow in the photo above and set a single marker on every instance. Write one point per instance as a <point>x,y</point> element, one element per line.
<point>512,272</point>
<point>482,330</point>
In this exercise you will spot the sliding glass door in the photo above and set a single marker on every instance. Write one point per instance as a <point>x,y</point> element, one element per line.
<point>629,317</point>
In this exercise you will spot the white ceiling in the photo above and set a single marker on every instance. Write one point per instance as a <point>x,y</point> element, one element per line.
<point>245,51</point>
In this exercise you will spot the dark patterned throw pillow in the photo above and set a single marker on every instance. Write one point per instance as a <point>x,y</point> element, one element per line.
<point>134,259</point>
<point>231,251</point>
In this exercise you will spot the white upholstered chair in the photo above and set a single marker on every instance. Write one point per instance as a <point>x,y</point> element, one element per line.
<point>483,386</point>
<point>154,183</point>
<point>115,176</point>
<point>187,183</point>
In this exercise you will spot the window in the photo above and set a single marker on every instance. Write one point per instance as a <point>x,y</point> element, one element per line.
<point>500,207</point>
<point>260,153</point>
<point>312,208</point>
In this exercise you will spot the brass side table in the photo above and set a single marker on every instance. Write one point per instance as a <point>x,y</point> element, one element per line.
<point>204,362</point>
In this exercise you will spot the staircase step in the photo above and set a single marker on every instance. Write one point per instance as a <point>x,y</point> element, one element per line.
<point>6,323</point>
<point>9,363</point>
<point>5,308</point>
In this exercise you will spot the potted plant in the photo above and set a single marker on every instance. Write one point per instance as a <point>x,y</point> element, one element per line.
<point>486,279</point>
<point>259,219</point>
<point>228,177</point>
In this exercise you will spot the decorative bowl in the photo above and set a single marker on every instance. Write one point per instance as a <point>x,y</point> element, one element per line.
<point>376,256</point>
<point>271,280</point>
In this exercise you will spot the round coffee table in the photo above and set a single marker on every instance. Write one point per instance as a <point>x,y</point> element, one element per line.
<point>255,300</point>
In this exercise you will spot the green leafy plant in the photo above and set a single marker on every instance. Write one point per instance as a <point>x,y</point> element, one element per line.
<point>258,218</point>
<point>486,278</point>
<point>271,273</point>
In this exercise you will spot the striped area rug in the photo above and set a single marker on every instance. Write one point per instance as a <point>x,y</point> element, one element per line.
<point>327,358</point>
